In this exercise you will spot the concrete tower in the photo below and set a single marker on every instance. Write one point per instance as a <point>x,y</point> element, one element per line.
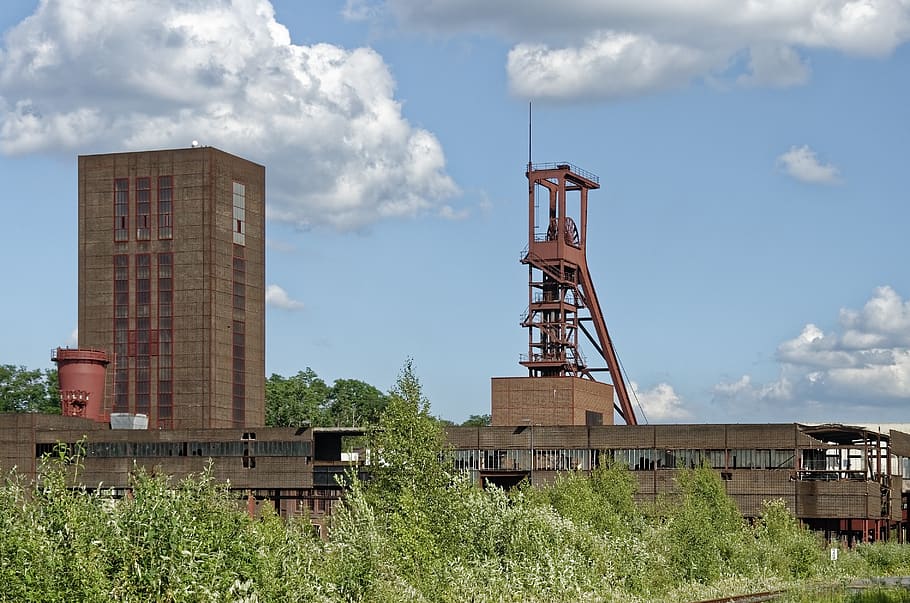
<point>171,283</point>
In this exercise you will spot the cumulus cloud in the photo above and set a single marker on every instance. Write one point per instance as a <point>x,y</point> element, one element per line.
<point>802,163</point>
<point>862,366</point>
<point>277,297</point>
<point>640,47</point>
<point>448,212</point>
<point>359,10</point>
<point>73,340</point>
<point>775,66</point>
<point>661,403</point>
<point>610,64</point>
<point>86,76</point>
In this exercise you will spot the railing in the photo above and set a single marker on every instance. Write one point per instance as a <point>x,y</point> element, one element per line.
<point>566,166</point>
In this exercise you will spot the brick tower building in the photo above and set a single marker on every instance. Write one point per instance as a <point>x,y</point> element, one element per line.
<point>172,283</point>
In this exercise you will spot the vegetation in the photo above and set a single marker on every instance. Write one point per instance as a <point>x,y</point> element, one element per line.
<point>478,421</point>
<point>306,399</point>
<point>417,531</point>
<point>24,390</point>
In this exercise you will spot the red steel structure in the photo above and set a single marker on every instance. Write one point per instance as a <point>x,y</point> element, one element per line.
<point>81,374</point>
<point>562,302</point>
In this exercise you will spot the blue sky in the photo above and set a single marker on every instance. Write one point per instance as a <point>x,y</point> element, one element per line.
<point>748,242</point>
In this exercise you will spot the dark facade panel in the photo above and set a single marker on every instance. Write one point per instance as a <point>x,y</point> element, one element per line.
<point>505,437</point>
<point>900,443</point>
<point>463,437</point>
<point>690,436</point>
<point>622,436</point>
<point>762,436</point>
<point>560,437</point>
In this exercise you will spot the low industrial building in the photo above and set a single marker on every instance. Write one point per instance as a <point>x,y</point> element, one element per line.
<point>842,480</point>
<point>171,329</point>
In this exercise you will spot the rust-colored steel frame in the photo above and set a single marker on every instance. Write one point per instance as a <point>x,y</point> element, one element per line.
<point>561,296</point>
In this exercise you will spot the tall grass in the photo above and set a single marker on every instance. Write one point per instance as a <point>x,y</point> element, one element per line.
<point>418,531</point>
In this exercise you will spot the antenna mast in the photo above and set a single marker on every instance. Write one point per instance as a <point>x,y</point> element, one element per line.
<point>529,136</point>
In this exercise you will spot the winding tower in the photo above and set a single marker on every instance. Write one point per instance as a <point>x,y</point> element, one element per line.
<point>562,302</point>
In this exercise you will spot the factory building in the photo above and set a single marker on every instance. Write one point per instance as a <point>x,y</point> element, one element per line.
<point>171,284</point>
<point>171,330</point>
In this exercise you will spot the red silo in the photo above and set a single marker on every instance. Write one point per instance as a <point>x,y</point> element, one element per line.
<point>82,375</point>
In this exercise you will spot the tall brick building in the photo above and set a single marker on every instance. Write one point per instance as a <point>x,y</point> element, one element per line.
<point>172,283</point>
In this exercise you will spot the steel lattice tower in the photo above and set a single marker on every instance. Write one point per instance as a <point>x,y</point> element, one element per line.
<point>561,297</point>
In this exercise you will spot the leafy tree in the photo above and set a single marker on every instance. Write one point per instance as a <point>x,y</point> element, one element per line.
<point>306,398</point>
<point>478,421</point>
<point>408,440</point>
<point>353,402</point>
<point>24,390</point>
<point>706,529</point>
<point>297,400</point>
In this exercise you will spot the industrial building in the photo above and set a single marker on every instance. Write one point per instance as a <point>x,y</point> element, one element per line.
<point>171,307</point>
<point>172,284</point>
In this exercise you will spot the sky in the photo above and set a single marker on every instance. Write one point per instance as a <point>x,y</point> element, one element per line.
<point>748,242</point>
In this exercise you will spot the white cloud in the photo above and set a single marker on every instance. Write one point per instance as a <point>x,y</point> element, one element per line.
<point>610,64</point>
<point>447,212</point>
<point>861,368</point>
<point>802,164</point>
<point>646,46</point>
<point>775,66</point>
<point>661,403</point>
<point>359,10</point>
<point>85,76</point>
<point>73,339</point>
<point>884,320</point>
<point>277,297</point>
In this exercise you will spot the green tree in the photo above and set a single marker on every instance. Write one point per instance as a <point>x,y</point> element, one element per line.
<point>408,441</point>
<point>478,421</point>
<point>24,390</point>
<point>353,402</point>
<point>707,532</point>
<point>295,401</point>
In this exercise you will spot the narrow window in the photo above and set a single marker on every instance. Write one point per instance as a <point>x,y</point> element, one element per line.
<point>142,333</point>
<point>165,340</point>
<point>239,374</point>
<point>165,207</point>
<point>121,209</point>
<point>143,209</point>
<point>239,225</point>
<point>239,284</point>
<point>121,332</point>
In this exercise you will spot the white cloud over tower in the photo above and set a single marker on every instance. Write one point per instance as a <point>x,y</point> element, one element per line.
<point>85,76</point>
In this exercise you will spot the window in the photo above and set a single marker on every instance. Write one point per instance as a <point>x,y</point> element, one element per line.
<point>165,207</point>
<point>143,209</point>
<point>121,332</point>
<point>165,334</point>
<point>239,224</point>
<point>142,334</point>
<point>750,459</point>
<point>238,389</point>
<point>239,284</point>
<point>716,458</point>
<point>121,209</point>
<point>638,459</point>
